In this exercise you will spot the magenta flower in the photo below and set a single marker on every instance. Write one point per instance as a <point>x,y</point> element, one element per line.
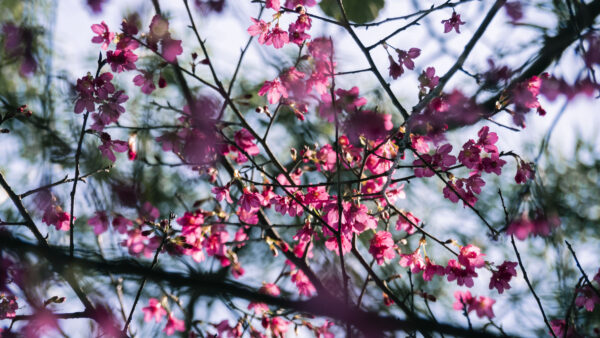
<point>587,297</point>
<point>501,277</point>
<point>297,35</point>
<point>469,155</point>
<point>294,3</point>
<point>514,9</point>
<point>121,60</point>
<point>304,22</point>
<point>121,224</point>
<point>105,36</point>
<point>382,246</point>
<point>274,90</point>
<point>305,287</point>
<point>492,164</point>
<point>245,140</point>
<point>222,193</point>
<point>406,223</point>
<point>54,215</point>
<point>274,4</point>
<point>154,310</point>
<point>428,79</point>
<point>260,28</point>
<point>99,222</point>
<point>432,269</point>
<point>406,58</point>
<point>463,298</point>
<point>277,37</point>
<point>453,23</point>
<point>525,172</point>
<point>108,146</point>
<point>171,48</point>
<point>454,271</point>
<point>395,68</point>
<point>483,307</point>
<point>471,256</point>
<point>413,261</point>
<point>173,324</point>
<point>250,201</point>
<point>145,81</point>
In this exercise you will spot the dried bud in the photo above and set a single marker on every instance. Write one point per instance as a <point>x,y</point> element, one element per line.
<point>294,153</point>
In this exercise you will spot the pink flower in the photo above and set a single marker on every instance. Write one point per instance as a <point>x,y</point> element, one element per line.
<point>108,146</point>
<point>279,326</point>
<point>368,123</point>
<point>297,35</point>
<point>245,140</point>
<point>222,193</point>
<point>174,324</point>
<point>469,155</point>
<point>492,164</point>
<point>99,222</point>
<point>542,225</point>
<point>463,298</point>
<point>487,140</point>
<point>382,246</point>
<point>587,297</point>
<point>54,215</point>
<point>250,201</point>
<point>105,36</point>
<point>525,172</point>
<point>414,261</point>
<point>278,37</point>
<point>145,81</point>
<point>454,271</point>
<point>396,69</point>
<point>121,60</point>
<point>427,79</point>
<point>471,256</point>
<point>293,3</point>
<point>441,158</point>
<point>453,23</point>
<point>406,58</point>
<point>274,90</point>
<point>350,99</point>
<point>432,269</point>
<point>406,223</point>
<point>273,4</point>
<point>154,310</point>
<point>502,276</point>
<point>305,287</point>
<point>121,223</point>
<point>171,48</point>
<point>260,28</point>
<point>514,9</point>
<point>483,307</point>
<point>303,23</point>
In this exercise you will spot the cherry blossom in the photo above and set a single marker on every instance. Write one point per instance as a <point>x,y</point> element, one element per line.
<point>105,36</point>
<point>154,310</point>
<point>173,324</point>
<point>501,277</point>
<point>453,23</point>
<point>382,246</point>
<point>99,222</point>
<point>274,90</point>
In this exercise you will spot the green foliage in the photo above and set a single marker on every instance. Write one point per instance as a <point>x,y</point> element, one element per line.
<point>359,11</point>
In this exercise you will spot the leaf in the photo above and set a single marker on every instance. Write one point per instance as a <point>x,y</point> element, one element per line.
<point>358,11</point>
